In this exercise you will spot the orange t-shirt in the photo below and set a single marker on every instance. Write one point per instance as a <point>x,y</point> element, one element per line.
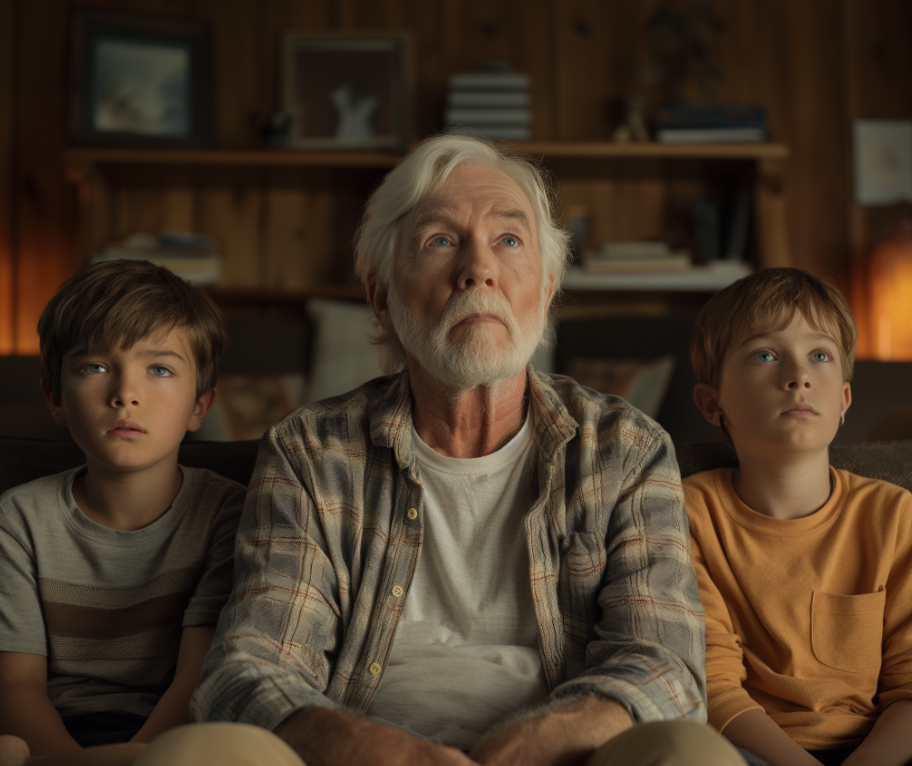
<point>808,619</point>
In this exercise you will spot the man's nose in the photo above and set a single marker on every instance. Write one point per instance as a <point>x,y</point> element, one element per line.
<point>477,265</point>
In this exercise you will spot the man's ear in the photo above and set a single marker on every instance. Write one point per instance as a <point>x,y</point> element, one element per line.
<point>378,298</point>
<point>201,409</point>
<point>55,404</point>
<point>707,400</point>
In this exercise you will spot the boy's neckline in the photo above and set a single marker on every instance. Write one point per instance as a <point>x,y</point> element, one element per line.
<point>124,515</point>
<point>795,493</point>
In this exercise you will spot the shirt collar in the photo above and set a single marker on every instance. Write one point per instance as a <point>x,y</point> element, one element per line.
<point>391,421</point>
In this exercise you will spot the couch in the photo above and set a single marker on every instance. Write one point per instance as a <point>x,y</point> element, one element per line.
<point>22,460</point>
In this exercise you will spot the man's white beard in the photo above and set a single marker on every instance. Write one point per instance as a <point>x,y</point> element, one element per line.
<point>475,360</point>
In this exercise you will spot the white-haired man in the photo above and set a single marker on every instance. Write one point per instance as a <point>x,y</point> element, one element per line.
<point>465,561</point>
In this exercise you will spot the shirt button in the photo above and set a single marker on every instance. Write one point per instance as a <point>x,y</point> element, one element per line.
<point>412,514</point>
<point>375,669</point>
<point>397,590</point>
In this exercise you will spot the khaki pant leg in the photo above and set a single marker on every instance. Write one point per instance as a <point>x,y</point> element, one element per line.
<point>667,743</point>
<point>218,744</point>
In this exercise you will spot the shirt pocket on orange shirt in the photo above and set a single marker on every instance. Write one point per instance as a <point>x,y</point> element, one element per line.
<point>847,631</point>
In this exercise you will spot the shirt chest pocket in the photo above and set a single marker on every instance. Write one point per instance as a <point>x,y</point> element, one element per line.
<point>847,631</point>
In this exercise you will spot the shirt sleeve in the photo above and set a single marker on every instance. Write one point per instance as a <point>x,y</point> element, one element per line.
<point>895,681</point>
<point>279,633</point>
<point>22,626</point>
<point>648,648</point>
<point>725,671</point>
<point>224,500</point>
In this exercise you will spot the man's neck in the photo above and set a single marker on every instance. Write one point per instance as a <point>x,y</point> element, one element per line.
<point>471,423</point>
<point>784,489</point>
<point>127,501</point>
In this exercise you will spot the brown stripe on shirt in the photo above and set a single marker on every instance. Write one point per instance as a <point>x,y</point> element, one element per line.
<point>152,643</point>
<point>71,621</point>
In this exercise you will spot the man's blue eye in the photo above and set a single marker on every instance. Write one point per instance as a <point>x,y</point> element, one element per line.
<point>510,241</point>
<point>440,241</point>
<point>820,356</point>
<point>160,371</point>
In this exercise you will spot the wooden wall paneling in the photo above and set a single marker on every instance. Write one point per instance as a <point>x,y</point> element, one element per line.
<point>515,31</point>
<point>7,201</point>
<point>877,75</point>
<point>800,48</point>
<point>599,59</point>
<point>236,63</point>
<point>152,199</point>
<point>230,210</point>
<point>46,253</point>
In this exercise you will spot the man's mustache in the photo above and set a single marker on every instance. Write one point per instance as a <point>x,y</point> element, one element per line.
<point>475,301</point>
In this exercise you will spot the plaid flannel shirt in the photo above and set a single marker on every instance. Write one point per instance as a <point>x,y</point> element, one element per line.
<point>331,534</point>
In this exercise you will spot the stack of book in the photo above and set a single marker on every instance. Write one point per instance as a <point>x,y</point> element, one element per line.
<point>633,257</point>
<point>489,104</point>
<point>683,122</point>
<point>193,257</point>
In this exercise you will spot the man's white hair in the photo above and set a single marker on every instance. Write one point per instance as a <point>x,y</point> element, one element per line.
<point>418,177</point>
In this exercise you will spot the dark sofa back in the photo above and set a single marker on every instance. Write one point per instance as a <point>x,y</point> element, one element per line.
<point>22,460</point>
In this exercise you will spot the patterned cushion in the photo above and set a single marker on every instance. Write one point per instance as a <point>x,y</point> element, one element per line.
<point>22,460</point>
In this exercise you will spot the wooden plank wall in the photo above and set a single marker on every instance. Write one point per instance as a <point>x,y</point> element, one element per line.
<point>815,65</point>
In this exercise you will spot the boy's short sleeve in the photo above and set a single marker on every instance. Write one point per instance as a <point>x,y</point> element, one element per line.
<point>219,501</point>
<point>21,617</point>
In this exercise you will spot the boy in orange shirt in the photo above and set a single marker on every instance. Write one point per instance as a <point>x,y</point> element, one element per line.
<point>805,572</point>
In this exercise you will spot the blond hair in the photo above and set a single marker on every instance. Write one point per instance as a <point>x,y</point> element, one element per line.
<point>122,302</point>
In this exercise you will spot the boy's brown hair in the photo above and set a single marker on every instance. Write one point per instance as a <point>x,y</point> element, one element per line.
<point>769,299</point>
<point>122,302</point>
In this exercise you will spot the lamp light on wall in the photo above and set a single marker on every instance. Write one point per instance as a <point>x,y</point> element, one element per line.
<point>890,299</point>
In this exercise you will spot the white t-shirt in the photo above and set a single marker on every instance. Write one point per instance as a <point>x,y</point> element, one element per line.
<point>466,649</point>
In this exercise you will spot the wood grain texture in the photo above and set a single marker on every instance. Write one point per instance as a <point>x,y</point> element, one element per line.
<point>7,202</point>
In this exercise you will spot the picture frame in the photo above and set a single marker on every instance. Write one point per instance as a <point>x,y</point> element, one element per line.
<point>883,161</point>
<point>139,80</point>
<point>347,90</point>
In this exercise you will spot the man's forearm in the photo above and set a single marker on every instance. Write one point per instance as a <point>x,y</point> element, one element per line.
<point>889,743</point>
<point>332,737</point>
<point>563,732</point>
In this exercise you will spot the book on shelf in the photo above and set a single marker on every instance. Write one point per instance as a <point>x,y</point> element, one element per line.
<point>472,99</point>
<point>632,249</point>
<point>686,114</point>
<point>676,261</point>
<point>489,81</point>
<point>191,256</point>
<point>492,116</point>
<point>710,135</point>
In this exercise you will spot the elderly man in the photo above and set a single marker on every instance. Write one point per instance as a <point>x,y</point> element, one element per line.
<point>465,561</point>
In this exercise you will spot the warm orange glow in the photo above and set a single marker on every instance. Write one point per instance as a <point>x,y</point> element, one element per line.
<point>891,300</point>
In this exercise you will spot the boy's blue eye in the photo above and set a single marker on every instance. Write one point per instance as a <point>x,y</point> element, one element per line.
<point>94,369</point>
<point>764,356</point>
<point>820,356</point>
<point>157,369</point>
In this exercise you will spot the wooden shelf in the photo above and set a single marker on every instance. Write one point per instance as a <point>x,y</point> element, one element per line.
<point>650,149</point>
<point>707,278</point>
<point>279,297</point>
<point>81,156</point>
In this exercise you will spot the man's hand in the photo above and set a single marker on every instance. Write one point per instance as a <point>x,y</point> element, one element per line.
<point>565,735</point>
<point>329,737</point>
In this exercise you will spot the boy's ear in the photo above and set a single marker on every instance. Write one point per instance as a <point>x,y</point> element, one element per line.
<point>55,404</point>
<point>707,400</point>
<point>201,409</point>
<point>846,397</point>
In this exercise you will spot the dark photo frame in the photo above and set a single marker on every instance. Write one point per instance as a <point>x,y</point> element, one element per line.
<point>348,90</point>
<point>139,80</point>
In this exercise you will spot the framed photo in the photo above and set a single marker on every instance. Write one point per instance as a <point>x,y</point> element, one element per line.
<point>144,80</point>
<point>347,90</point>
<point>883,161</point>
